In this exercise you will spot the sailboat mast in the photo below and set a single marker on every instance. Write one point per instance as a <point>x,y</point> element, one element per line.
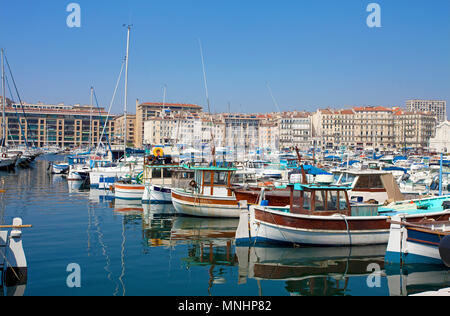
<point>125,127</point>
<point>90,120</point>
<point>213,148</point>
<point>5,140</point>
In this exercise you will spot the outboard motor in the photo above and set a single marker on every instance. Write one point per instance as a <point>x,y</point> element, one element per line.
<point>444,250</point>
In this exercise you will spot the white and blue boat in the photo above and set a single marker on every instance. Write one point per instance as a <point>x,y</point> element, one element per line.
<point>414,243</point>
<point>157,179</point>
<point>60,168</point>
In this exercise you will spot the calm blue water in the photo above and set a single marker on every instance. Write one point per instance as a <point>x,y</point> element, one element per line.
<point>125,249</point>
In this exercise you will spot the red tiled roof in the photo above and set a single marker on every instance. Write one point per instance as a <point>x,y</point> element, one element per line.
<point>172,104</point>
<point>372,109</point>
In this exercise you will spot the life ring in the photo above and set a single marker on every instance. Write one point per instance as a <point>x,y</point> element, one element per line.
<point>158,152</point>
<point>193,184</point>
<point>4,155</point>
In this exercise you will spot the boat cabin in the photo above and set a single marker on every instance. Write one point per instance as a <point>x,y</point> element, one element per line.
<point>159,174</point>
<point>317,199</point>
<point>212,180</point>
<point>77,160</point>
<point>378,186</point>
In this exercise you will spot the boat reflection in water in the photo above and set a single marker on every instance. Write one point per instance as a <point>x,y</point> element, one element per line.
<point>337,271</point>
<point>310,271</point>
<point>208,243</point>
<point>416,278</point>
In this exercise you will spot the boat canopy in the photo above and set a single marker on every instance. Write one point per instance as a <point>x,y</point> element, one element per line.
<point>395,169</point>
<point>309,169</point>
<point>397,158</point>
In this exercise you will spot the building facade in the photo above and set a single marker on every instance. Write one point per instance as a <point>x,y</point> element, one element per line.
<point>441,141</point>
<point>379,128</point>
<point>437,107</point>
<point>56,125</point>
<point>146,111</point>
<point>295,130</point>
<point>119,134</point>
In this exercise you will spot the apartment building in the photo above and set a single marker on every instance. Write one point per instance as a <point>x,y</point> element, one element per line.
<point>437,107</point>
<point>147,110</point>
<point>56,125</point>
<point>119,133</point>
<point>373,127</point>
<point>295,130</point>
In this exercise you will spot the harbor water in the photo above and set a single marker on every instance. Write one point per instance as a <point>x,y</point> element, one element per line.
<point>83,242</point>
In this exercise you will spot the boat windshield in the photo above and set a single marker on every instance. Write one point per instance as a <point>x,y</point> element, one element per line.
<point>220,178</point>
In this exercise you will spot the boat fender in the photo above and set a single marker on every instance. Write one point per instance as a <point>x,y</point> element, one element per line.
<point>444,250</point>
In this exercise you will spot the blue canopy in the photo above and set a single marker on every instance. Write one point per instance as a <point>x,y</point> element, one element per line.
<point>395,169</point>
<point>351,162</point>
<point>332,158</point>
<point>377,157</point>
<point>309,169</point>
<point>397,158</point>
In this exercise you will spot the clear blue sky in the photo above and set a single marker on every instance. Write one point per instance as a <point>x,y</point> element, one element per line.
<point>313,53</point>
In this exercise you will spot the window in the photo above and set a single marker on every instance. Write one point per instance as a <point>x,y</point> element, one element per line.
<point>332,199</point>
<point>369,181</point>
<point>319,200</point>
<point>306,200</point>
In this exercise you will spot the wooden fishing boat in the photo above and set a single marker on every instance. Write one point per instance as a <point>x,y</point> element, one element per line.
<point>411,243</point>
<point>274,196</point>
<point>322,215</point>
<point>208,194</point>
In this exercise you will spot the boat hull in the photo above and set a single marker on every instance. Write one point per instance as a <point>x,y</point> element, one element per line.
<point>276,226</point>
<point>411,245</point>
<point>157,194</point>
<point>128,191</point>
<point>192,204</point>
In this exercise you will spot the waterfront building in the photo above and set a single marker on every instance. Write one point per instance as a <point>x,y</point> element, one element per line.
<point>148,110</point>
<point>437,107</point>
<point>158,131</point>
<point>119,134</point>
<point>379,128</point>
<point>269,134</point>
<point>441,141</point>
<point>56,125</point>
<point>295,130</point>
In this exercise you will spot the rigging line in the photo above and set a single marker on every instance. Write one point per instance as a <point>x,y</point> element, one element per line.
<point>18,95</point>
<point>17,114</point>
<point>213,147</point>
<point>204,76</point>
<point>112,101</point>
<point>273,98</point>
<point>100,115</point>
